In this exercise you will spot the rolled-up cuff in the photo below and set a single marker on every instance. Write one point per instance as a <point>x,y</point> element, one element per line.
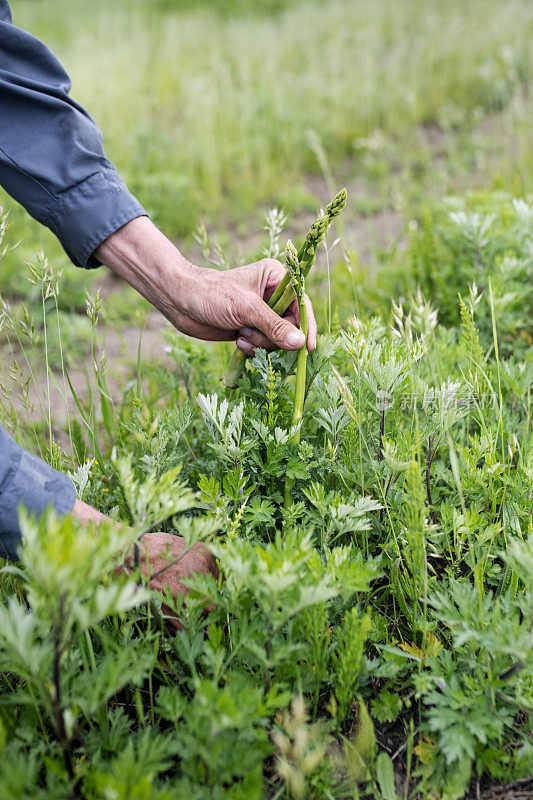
<point>90,212</point>
<point>35,485</point>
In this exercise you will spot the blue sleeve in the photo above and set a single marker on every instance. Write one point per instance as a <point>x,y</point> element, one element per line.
<point>52,160</point>
<point>26,480</point>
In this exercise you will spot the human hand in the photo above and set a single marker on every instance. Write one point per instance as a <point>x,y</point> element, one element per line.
<point>167,561</point>
<point>203,302</point>
<point>163,557</point>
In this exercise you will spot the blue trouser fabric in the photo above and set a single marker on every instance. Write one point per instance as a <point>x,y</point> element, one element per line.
<point>27,480</point>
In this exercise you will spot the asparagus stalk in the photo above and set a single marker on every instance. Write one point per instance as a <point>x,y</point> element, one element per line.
<point>281,298</point>
<point>307,251</point>
<point>296,275</point>
<point>284,293</point>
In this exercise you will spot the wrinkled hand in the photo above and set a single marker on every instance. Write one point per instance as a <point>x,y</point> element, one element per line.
<point>162,556</point>
<point>166,559</point>
<point>232,304</point>
<point>203,302</point>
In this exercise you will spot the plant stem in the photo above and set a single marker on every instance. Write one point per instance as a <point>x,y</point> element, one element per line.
<point>283,294</point>
<point>428,468</point>
<point>432,451</point>
<point>284,288</point>
<point>63,737</point>
<point>238,359</point>
<point>299,395</point>
<point>381,435</point>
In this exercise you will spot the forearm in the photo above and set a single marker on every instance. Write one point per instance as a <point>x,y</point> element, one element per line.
<point>144,257</point>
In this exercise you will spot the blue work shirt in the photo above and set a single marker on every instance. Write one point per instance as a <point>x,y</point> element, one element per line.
<point>52,162</point>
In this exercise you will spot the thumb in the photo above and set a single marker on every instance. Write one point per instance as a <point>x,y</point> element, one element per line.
<point>280,331</point>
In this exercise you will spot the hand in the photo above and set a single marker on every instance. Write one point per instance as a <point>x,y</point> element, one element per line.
<point>165,558</point>
<point>204,302</point>
<point>154,551</point>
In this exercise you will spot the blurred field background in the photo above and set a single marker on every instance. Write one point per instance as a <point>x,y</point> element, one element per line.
<point>215,112</point>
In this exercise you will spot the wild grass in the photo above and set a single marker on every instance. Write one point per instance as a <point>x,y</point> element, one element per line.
<point>371,637</point>
<point>210,116</point>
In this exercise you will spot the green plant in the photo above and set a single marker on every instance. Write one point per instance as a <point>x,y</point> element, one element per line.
<point>297,279</point>
<point>285,292</point>
<point>371,635</point>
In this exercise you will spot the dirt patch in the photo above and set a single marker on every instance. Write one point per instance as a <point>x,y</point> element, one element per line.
<point>519,790</point>
<point>52,393</point>
<point>435,138</point>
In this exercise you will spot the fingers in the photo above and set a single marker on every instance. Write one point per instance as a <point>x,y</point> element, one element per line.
<point>167,561</point>
<point>276,272</point>
<point>278,330</point>
<point>233,306</point>
<point>251,338</point>
<point>208,333</point>
<point>273,272</point>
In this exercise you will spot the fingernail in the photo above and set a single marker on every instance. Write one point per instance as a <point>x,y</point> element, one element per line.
<point>243,344</point>
<point>246,331</point>
<point>294,339</point>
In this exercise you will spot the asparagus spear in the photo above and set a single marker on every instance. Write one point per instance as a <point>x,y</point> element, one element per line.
<point>307,251</point>
<point>284,293</point>
<point>295,271</point>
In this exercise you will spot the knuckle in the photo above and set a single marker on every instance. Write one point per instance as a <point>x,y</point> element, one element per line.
<point>276,267</point>
<point>278,329</point>
<point>272,265</point>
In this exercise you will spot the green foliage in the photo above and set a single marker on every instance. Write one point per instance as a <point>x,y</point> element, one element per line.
<point>351,639</point>
<point>390,602</point>
<point>400,580</point>
<point>220,737</point>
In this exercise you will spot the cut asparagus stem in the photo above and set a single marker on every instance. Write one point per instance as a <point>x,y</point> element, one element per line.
<point>299,395</point>
<point>234,369</point>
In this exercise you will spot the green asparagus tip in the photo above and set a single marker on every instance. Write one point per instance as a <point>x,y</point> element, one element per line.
<point>291,257</point>
<point>293,268</point>
<point>337,204</point>
<point>317,231</point>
